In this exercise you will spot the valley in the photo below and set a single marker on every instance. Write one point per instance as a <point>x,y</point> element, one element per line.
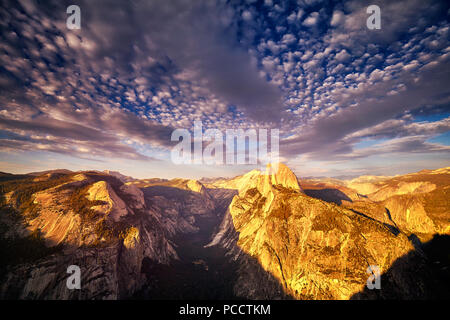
<point>200,273</point>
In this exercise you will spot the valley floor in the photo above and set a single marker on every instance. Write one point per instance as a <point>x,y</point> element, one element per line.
<point>201,273</point>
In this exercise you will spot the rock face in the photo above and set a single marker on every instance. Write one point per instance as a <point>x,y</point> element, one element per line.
<point>236,182</point>
<point>282,238</point>
<point>264,181</point>
<point>99,224</point>
<point>114,206</point>
<point>280,174</point>
<point>366,184</point>
<point>418,203</point>
<point>136,198</point>
<point>311,248</point>
<point>179,202</point>
<point>119,176</point>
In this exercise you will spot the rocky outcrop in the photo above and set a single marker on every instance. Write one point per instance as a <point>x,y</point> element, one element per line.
<point>119,176</point>
<point>402,188</point>
<point>135,197</point>
<point>274,175</point>
<point>417,203</point>
<point>113,205</point>
<point>234,183</point>
<point>366,184</point>
<point>196,186</point>
<point>108,238</point>
<point>314,249</point>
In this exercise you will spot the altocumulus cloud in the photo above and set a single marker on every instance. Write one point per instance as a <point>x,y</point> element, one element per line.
<point>138,69</point>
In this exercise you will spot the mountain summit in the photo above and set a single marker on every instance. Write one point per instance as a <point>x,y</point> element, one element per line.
<point>275,175</point>
<point>279,175</point>
<point>316,249</point>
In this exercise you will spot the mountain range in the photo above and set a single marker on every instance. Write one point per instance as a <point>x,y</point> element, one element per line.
<point>261,235</point>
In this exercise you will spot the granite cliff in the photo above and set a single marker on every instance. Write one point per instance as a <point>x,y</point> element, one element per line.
<point>263,235</point>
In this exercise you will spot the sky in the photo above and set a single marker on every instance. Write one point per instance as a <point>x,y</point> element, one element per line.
<point>346,100</point>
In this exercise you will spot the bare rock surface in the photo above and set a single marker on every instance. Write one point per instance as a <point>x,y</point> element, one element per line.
<point>262,235</point>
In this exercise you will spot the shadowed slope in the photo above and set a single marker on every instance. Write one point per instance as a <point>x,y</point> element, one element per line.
<point>420,274</point>
<point>315,249</point>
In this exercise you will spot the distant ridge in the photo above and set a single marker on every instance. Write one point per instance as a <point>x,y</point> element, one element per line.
<point>38,173</point>
<point>120,176</point>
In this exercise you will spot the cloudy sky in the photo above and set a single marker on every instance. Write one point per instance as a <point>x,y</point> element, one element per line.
<point>347,100</point>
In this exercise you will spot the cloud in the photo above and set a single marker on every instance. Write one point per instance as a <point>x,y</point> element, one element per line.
<point>288,39</point>
<point>406,145</point>
<point>336,18</point>
<point>247,15</point>
<point>372,108</point>
<point>397,19</point>
<point>79,85</point>
<point>45,133</point>
<point>196,42</point>
<point>394,128</point>
<point>295,16</point>
<point>311,20</point>
<point>342,55</point>
<point>163,64</point>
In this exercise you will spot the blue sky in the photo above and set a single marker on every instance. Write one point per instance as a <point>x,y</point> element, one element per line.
<point>347,100</point>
